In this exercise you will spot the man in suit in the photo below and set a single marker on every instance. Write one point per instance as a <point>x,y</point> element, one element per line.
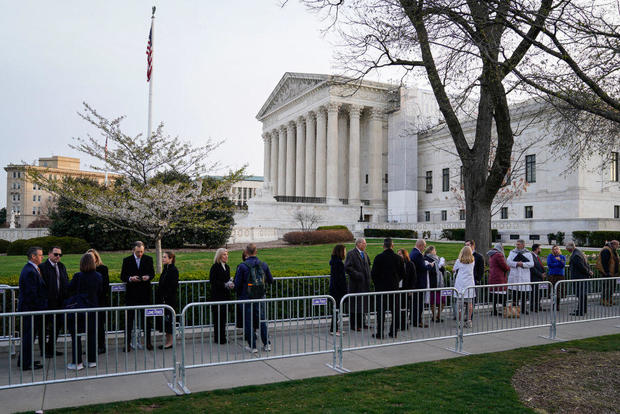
<point>387,271</point>
<point>137,272</point>
<point>579,268</point>
<point>421,269</point>
<point>357,266</point>
<point>537,274</point>
<point>55,276</point>
<point>32,297</point>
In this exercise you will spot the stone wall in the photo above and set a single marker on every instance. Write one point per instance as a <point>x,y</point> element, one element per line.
<point>18,234</point>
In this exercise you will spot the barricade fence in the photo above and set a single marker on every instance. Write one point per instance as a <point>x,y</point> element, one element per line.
<point>60,355</point>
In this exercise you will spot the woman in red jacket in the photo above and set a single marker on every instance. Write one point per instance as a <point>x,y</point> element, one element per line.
<point>498,269</point>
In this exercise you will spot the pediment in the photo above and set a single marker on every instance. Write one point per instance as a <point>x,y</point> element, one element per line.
<point>290,86</point>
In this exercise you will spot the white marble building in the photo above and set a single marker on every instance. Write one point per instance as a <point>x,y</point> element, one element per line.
<point>331,148</point>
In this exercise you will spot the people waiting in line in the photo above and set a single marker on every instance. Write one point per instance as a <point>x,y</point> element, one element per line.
<point>436,280</point>
<point>608,266</point>
<point>556,262</point>
<point>537,274</point>
<point>54,274</point>
<point>104,300</point>
<point>408,283</point>
<point>464,269</point>
<point>221,284</point>
<point>520,261</point>
<point>250,280</point>
<point>498,275</point>
<point>578,268</point>
<point>421,269</point>
<point>357,267</point>
<point>85,287</point>
<point>167,294</point>
<point>337,281</point>
<point>387,272</point>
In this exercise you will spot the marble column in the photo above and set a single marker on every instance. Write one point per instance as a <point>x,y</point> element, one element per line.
<point>282,161</point>
<point>332,152</point>
<point>266,159</point>
<point>354,154</point>
<point>290,159</point>
<point>274,161</point>
<point>321,151</point>
<point>300,158</point>
<point>375,152</point>
<point>310,154</point>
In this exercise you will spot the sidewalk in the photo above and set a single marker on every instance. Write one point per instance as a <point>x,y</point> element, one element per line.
<point>270,371</point>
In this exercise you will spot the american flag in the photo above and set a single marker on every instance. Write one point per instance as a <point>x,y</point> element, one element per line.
<point>149,55</point>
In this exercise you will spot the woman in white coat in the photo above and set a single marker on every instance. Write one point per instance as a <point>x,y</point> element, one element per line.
<point>464,268</point>
<point>520,260</point>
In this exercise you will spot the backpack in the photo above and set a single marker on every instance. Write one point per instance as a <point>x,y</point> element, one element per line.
<point>599,262</point>
<point>256,280</point>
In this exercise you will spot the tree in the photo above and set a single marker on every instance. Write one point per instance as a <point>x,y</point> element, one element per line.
<point>306,218</point>
<point>471,53</point>
<point>143,200</point>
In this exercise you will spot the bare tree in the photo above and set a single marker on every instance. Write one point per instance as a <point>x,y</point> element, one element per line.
<point>307,218</point>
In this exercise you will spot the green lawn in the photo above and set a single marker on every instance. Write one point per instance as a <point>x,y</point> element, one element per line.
<point>285,261</point>
<point>473,384</point>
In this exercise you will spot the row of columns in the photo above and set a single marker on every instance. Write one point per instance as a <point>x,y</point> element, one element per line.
<point>301,157</point>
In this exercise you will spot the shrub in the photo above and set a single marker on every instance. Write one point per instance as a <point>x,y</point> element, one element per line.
<point>453,234</point>
<point>68,245</point>
<point>581,237</point>
<point>598,238</point>
<point>4,245</point>
<point>318,236</point>
<point>334,227</point>
<point>394,233</point>
<point>559,237</point>
<point>40,223</point>
<point>550,237</point>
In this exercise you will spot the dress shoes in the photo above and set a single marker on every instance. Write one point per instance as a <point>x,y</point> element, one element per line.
<point>149,347</point>
<point>391,335</point>
<point>35,365</point>
<point>423,325</point>
<point>377,336</point>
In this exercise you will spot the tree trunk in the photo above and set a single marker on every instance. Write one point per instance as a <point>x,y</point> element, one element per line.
<point>158,253</point>
<point>478,224</point>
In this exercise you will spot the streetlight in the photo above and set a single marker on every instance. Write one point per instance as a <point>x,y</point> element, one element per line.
<point>361,215</point>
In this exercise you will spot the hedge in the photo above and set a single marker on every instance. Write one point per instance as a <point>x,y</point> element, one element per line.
<point>459,234</point>
<point>67,244</point>
<point>318,236</point>
<point>394,233</point>
<point>4,245</point>
<point>334,227</point>
<point>594,238</point>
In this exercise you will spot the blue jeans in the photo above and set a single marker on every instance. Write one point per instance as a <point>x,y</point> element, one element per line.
<point>254,315</point>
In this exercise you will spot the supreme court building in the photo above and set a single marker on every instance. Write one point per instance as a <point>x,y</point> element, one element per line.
<point>345,152</point>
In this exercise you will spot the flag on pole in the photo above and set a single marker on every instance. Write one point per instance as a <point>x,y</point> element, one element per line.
<point>149,55</point>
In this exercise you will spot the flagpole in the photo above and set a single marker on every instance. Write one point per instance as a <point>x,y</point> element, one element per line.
<point>150,119</point>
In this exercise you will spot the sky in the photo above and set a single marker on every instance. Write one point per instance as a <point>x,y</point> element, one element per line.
<point>215,64</point>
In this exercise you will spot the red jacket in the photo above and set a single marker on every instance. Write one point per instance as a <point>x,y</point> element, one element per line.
<point>497,269</point>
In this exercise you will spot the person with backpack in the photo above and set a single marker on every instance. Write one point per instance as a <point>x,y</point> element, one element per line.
<point>250,279</point>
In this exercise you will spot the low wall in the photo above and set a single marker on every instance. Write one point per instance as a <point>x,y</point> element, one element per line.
<point>18,234</point>
<point>254,234</point>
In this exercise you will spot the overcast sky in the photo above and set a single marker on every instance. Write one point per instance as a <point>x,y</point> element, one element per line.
<point>215,64</point>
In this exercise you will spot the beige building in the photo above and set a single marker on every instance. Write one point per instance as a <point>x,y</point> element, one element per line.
<point>29,201</point>
<point>244,190</point>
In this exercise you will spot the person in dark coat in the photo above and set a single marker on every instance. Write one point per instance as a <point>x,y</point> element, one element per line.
<point>421,269</point>
<point>578,268</point>
<point>55,276</point>
<point>537,274</point>
<point>104,299</point>
<point>137,272</point>
<point>219,279</point>
<point>357,266</point>
<point>609,266</point>
<point>166,294</point>
<point>337,281</point>
<point>33,296</point>
<point>87,283</point>
<point>408,283</point>
<point>387,272</point>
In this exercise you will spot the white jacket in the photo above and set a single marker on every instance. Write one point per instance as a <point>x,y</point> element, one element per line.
<point>520,274</point>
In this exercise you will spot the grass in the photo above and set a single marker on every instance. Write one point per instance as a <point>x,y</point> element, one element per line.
<point>473,384</point>
<point>283,261</point>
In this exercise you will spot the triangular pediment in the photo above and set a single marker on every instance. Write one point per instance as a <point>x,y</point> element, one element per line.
<point>290,86</point>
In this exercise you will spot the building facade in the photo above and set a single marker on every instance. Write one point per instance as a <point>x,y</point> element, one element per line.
<point>26,201</point>
<point>244,190</point>
<point>367,155</point>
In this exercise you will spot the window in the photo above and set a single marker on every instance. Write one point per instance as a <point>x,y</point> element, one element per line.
<point>530,168</point>
<point>444,215</point>
<point>34,198</point>
<point>514,237</point>
<point>616,211</point>
<point>34,211</point>
<point>529,212</point>
<point>386,178</point>
<point>445,179</point>
<point>461,214</point>
<point>534,236</point>
<point>366,178</point>
<point>614,167</point>
<point>38,198</point>
<point>429,181</point>
<point>504,213</point>
<point>427,216</point>
<point>14,174</point>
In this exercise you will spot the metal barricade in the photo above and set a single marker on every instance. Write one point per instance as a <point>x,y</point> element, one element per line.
<point>58,356</point>
<point>506,307</point>
<point>226,333</point>
<point>581,300</point>
<point>396,317</point>
<point>8,301</point>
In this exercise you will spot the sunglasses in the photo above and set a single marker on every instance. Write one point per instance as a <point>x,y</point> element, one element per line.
<point>57,254</point>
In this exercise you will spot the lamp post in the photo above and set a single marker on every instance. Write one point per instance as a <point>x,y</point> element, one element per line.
<point>361,215</point>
